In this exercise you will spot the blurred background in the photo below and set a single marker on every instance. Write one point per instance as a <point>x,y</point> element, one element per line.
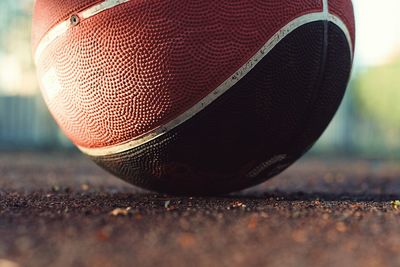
<point>367,125</point>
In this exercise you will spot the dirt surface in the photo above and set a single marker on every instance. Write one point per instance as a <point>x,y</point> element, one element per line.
<point>61,210</point>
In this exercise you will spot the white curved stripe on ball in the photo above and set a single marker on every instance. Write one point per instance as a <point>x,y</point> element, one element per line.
<point>224,87</point>
<point>63,27</point>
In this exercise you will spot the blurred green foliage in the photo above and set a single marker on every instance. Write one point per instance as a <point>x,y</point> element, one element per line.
<point>377,98</point>
<point>378,94</point>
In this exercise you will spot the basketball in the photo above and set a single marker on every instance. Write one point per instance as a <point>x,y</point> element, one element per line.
<point>193,97</point>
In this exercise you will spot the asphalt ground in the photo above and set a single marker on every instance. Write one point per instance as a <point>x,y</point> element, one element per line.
<point>61,210</point>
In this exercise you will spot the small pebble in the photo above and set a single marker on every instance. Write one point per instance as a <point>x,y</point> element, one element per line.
<point>121,212</point>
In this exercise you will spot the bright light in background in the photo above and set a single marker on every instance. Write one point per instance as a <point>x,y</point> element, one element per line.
<point>378,31</point>
<point>10,74</point>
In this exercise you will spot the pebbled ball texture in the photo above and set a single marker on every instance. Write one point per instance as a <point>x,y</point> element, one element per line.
<point>129,70</point>
<point>255,130</point>
<point>135,67</point>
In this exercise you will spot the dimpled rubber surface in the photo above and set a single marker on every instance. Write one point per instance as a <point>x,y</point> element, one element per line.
<point>263,116</point>
<point>135,67</point>
<point>50,12</point>
<point>344,10</point>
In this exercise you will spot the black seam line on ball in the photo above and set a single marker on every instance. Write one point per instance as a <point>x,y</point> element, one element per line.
<point>324,57</point>
<point>318,82</point>
<point>322,66</point>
